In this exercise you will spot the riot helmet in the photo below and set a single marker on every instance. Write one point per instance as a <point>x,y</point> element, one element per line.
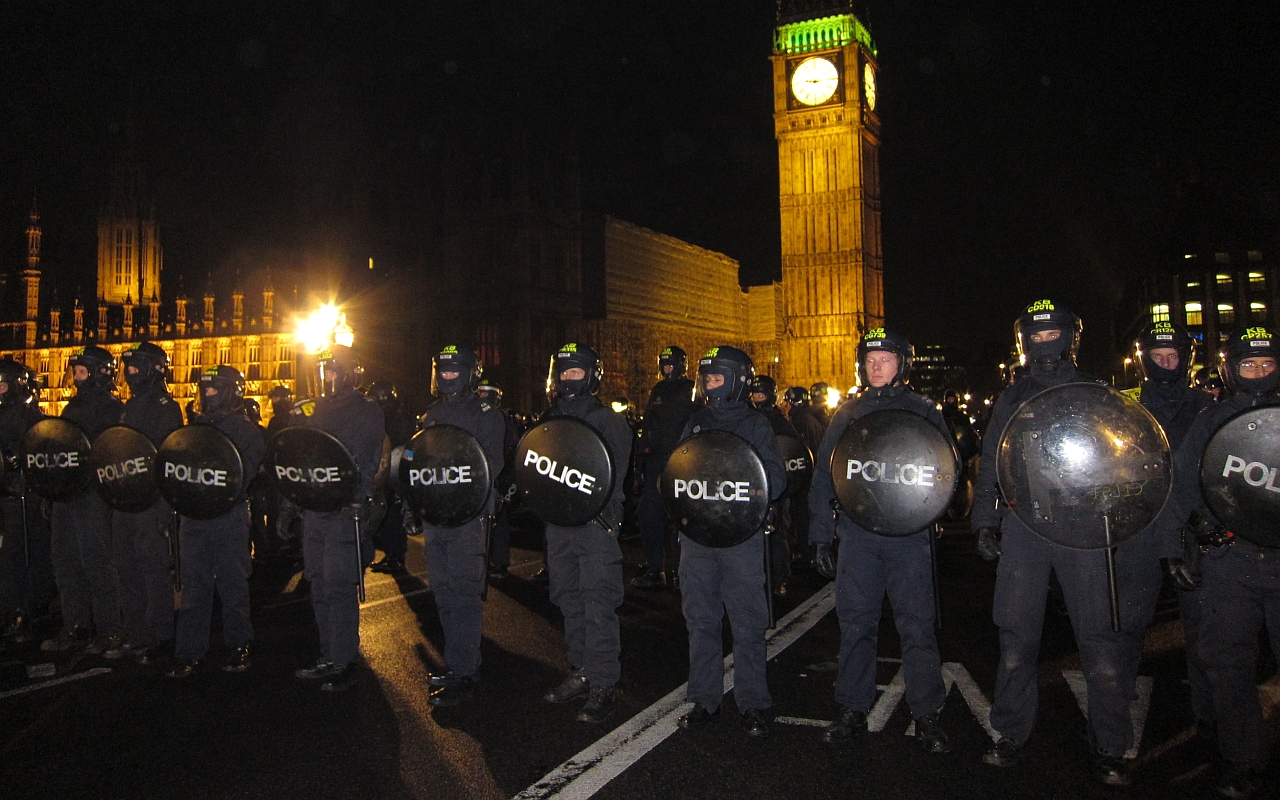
<point>13,375</point>
<point>100,364</point>
<point>674,357</point>
<point>253,410</point>
<point>384,394</point>
<point>574,355</point>
<point>819,393</point>
<point>1044,315</point>
<point>765,385</point>
<point>149,364</point>
<point>1254,345</point>
<point>281,400</point>
<point>221,391</point>
<point>338,369</point>
<point>489,392</point>
<point>455,358</point>
<point>731,364</point>
<point>888,341</point>
<point>1162,335</point>
<point>796,395</point>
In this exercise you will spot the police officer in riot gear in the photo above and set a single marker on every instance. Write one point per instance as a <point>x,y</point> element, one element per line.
<point>811,425</point>
<point>215,552</point>
<point>585,562</point>
<point>1048,337</point>
<point>1240,581</point>
<point>141,545</point>
<point>818,396</point>
<point>764,398</point>
<point>871,565</point>
<point>329,538</point>
<point>400,428</point>
<point>82,525</point>
<point>281,406</point>
<point>500,537</point>
<point>456,556</point>
<point>670,405</point>
<point>26,573</point>
<point>719,580</point>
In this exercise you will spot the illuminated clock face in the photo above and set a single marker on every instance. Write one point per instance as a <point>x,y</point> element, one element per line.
<point>815,81</point>
<point>869,86</point>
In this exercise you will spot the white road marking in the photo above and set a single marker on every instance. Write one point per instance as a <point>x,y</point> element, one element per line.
<point>1137,709</point>
<point>587,772</point>
<point>56,681</point>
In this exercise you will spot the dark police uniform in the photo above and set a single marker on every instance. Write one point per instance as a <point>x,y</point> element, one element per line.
<point>329,538</point>
<point>142,556</point>
<point>82,533</point>
<point>456,556</point>
<point>26,572</point>
<point>400,428</point>
<point>780,548</point>
<point>215,554</point>
<point>669,407</point>
<point>870,565</point>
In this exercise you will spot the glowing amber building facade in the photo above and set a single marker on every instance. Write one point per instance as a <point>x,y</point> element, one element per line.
<point>824,88</point>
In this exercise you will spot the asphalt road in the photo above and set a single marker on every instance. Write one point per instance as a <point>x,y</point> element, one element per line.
<point>117,729</point>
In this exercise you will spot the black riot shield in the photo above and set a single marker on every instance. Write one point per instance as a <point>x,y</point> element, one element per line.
<point>55,459</point>
<point>894,473</point>
<point>445,476</point>
<point>716,488</point>
<point>123,461</point>
<point>312,469</point>
<point>199,471</point>
<point>1238,475</point>
<point>564,471</point>
<point>799,463</point>
<point>1084,466</point>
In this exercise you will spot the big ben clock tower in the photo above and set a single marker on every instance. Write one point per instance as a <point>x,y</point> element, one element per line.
<point>824,111</point>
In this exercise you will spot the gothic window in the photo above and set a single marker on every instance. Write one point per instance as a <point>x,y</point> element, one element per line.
<point>224,354</point>
<point>255,354</point>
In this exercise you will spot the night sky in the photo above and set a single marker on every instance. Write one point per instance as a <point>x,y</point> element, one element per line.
<point>1029,148</point>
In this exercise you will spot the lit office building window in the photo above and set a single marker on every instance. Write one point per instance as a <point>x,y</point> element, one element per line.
<point>1160,312</point>
<point>1194,314</point>
<point>1226,313</point>
<point>1256,281</point>
<point>1258,309</point>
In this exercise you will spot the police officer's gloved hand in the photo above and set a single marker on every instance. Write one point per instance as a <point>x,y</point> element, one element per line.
<point>989,544</point>
<point>1179,571</point>
<point>823,561</point>
<point>411,524</point>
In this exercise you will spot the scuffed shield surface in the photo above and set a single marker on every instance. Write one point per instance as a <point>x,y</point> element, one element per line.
<point>798,461</point>
<point>445,476</point>
<point>894,473</point>
<point>716,488</point>
<point>1081,458</point>
<point>1240,475</point>
<point>312,469</point>
<point>199,471</point>
<point>123,462</point>
<point>564,471</point>
<point>55,459</point>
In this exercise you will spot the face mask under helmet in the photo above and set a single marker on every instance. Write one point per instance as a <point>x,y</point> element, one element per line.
<point>676,358</point>
<point>767,386</point>
<point>490,393</point>
<point>889,341</point>
<point>1254,342</point>
<point>150,361</point>
<point>1161,335</point>
<point>100,364</point>
<point>737,369</point>
<point>228,390</point>
<point>580,356</point>
<point>455,358</point>
<point>14,376</point>
<point>1044,315</point>
<point>338,370</point>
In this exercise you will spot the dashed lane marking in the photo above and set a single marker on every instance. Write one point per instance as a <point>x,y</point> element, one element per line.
<point>56,681</point>
<point>587,772</point>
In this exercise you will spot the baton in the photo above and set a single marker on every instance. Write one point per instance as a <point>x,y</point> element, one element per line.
<point>26,536</point>
<point>175,550</point>
<point>1112,589</point>
<point>488,543</point>
<point>768,570</point>
<point>934,532</point>
<point>355,517</point>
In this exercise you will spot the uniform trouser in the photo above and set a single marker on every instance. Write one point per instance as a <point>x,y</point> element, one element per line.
<point>455,562</point>
<point>1138,570</point>
<point>1191,608</point>
<point>81,550</point>
<point>142,560</point>
<point>870,565</point>
<point>713,581</point>
<point>26,572</point>
<point>329,565</point>
<point>799,534</point>
<point>500,538</point>
<point>395,540</point>
<point>780,545</point>
<point>1241,594</point>
<point>653,516</point>
<point>1022,586</point>
<point>585,567</point>
<point>215,556</point>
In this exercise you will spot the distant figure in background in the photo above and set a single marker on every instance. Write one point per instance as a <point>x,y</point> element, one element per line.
<point>764,398</point>
<point>400,428</point>
<point>821,403</point>
<point>500,538</point>
<point>810,424</point>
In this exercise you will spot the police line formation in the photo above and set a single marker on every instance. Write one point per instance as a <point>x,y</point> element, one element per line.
<point>1110,492</point>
